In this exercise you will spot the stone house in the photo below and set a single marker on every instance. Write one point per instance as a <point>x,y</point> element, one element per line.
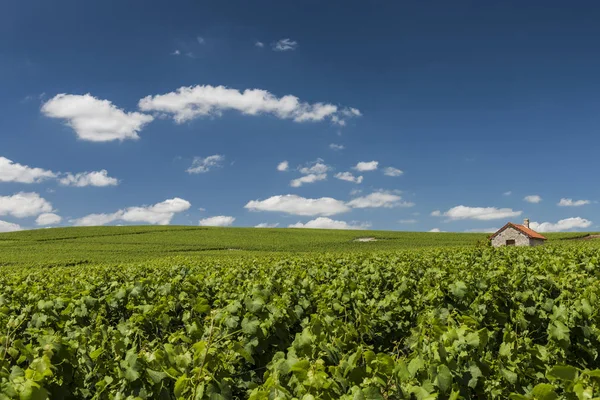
<point>517,235</point>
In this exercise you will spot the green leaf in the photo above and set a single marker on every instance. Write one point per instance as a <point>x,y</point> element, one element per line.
<point>415,365</point>
<point>458,289</point>
<point>444,378</point>
<point>564,372</point>
<point>544,391</point>
<point>372,393</point>
<point>558,331</point>
<point>509,375</point>
<point>250,326</point>
<point>180,386</point>
<point>156,376</point>
<point>131,374</point>
<point>33,391</point>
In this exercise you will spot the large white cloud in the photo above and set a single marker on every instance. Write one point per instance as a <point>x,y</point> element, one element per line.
<point>573,203</point>
<point>94,119</point>
<point>48,219</point>
<point>158,214</point>
<point>348,177</point>
<point>562,225</point>
<point>219,220</point>
<point>14,172</point>
<point>534,198</point>
<point>201,165</point>
<point>478,213</point>
<point>9,227</point>
<point>94,178</point>
<point>22,205</point>
<point>188,103</point>
<point>379,199</point>
<point>328,223</point>
<point>367,166</point>
<point>296,205</point>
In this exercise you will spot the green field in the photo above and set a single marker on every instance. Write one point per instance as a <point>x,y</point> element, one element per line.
<point>71,246</point>
<point>213,313</point>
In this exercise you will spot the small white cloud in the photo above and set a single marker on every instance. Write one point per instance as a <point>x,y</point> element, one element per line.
<point>316,167</point>
<point>267,225</point>
<point>176,53</point>
<point>351,112</point>
<point>391,171</point>
<point>22,205</point>
<point>202,209</point>
<point>507,193</point>
<point>310,178</point>
<point>534,198</point>
<point>14,172</point>
<point>336,147</point>
<point>48,219</point>
<point>219,220</point>
<point>188,103</point>
<point>347,176</point>
<point>436,230</point>
<point>94,119</point>
<point>573,203</point>
<point>481,230</point>
<point>328,223</point>
<point>157,214</point>
<point>478,213</point>
<point>259,44</point>
<point>338,121</point>
<point>408,221</point>
<point>283,166</point>
<point>9,227</point>
<point>296,205</point>
<point>285,45</point>
<point>379,200</point>
<point>366,166</point>
<point>201,165</point>
<point>94,178</point>
<point>562,225</point>
<point>200,40</point>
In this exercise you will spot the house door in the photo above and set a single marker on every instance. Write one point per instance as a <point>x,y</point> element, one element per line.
<point>510,242</point>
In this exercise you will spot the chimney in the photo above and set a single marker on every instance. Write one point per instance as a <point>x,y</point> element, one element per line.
<point>526,223</point>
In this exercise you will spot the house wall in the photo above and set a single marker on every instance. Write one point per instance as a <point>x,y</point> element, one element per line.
<point>536,242</point>
<point>511,233</point>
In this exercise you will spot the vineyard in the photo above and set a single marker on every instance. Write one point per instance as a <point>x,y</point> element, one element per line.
<point>454,323</point>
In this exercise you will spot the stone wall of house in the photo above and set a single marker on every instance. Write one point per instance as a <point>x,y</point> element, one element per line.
<point>536,242</point>
<point>511,233</point>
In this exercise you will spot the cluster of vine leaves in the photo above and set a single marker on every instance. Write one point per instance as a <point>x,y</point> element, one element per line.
<point>435,324</point>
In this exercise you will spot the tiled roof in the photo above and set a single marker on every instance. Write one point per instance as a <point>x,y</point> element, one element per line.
<point>530,233</point>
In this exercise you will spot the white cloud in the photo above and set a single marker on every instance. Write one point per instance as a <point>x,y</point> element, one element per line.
<point>219,220</point>
<point>347,176</point>
<point>366,166</point>
<point>379,199</point>
<point>534,198</point>
<point>48,219</point>
<point>267,225</point>
<point>478,213</point>
<point>296,205</point>
<point>188,103</point>
<point>22,205</point>
<point>94,178</point>
<point>9,227</point>
<point>285,45</point>
<point>259,44</point>
<point>436,230</point>
<point>200,40</point>
<point>408,221</point>
<point>316,167</point>
<point>481,230</point>
<point>391,171</point>
<point>436,213</point>
<point>573,203</point>
<point>507,193</point>
<point>176,53</point>
<point>351,112</point>
<point>310,178</point>
<point>202,165</point>
<point>94,119</point>
<point>283,166</point>
<point>562,225</point>
<point>160,214</point>
<point>14,172</point>
<point>336,147</point>
<point>328,223</point>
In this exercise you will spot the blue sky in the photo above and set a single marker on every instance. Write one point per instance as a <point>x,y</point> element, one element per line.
<point>181,112</point>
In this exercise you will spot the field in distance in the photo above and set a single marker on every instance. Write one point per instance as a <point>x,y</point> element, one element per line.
<point>90,245</point>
